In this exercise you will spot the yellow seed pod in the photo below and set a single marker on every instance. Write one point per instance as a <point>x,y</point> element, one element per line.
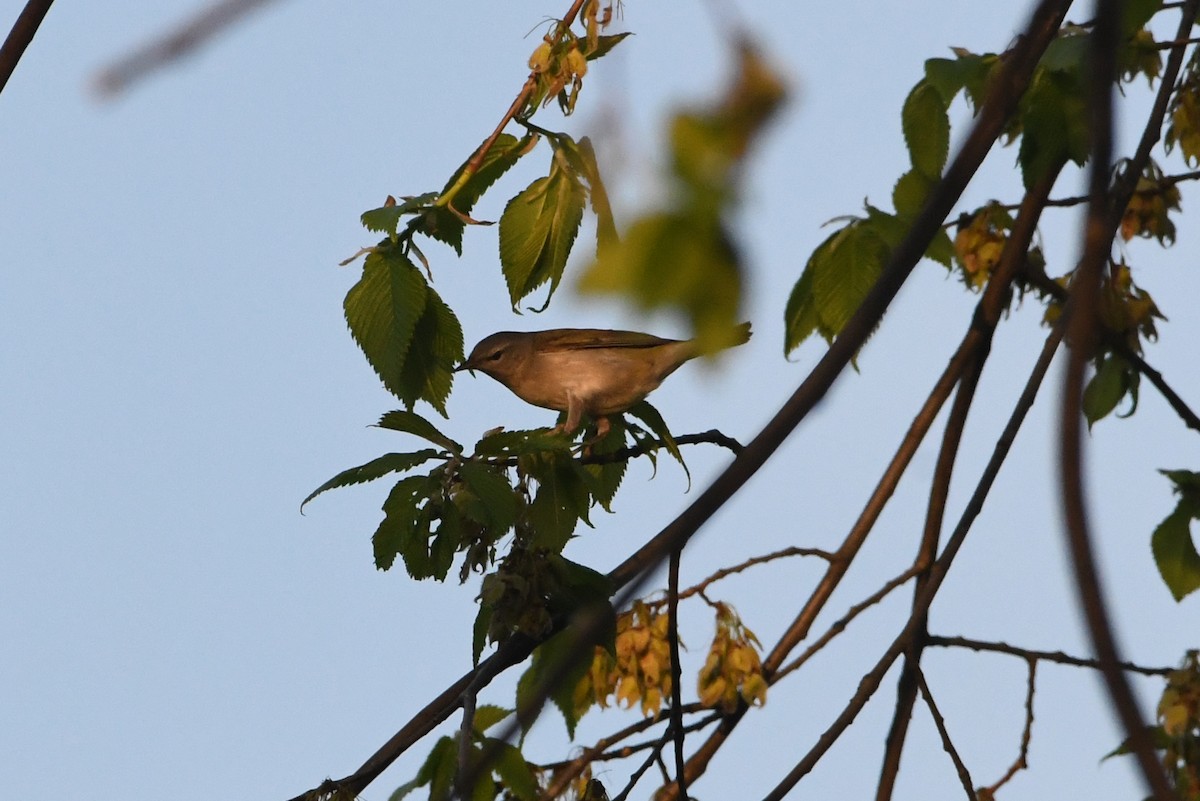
<point>539,62</point>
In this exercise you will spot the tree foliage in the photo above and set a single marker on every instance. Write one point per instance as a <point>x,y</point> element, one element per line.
<point>507,507</point>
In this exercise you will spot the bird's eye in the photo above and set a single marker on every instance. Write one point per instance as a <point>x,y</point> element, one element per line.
<point>495,357</point>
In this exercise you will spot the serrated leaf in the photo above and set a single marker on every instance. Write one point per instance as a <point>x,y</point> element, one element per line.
<point>488,715</point>
<point>383,310</point>
<point>446,542</point>
<point>837,276</point>
<point>514,772</point>
<point>517,443</point>
<point>413,423</point>
<point>376,468</point>
<point>941,249</point>
<point>560,502</point>
<point>437,347</point>
<point>606,43</point>
<point>650,416</point>
<point>496,496</point>
<point>1175,551</point>
<point>395,532</point>
<point>603,480</point>
<point>926,129</point>
<point>443,224</point>
<point>548,660</point>
<point>537,230</point>
<point>678,261</point>
<point>386,219</point>
<point>1054,125</point>
<point>910,192</point>
<point>800,317</point>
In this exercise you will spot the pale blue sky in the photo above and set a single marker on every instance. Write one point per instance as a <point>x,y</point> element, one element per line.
<point>178,376</point>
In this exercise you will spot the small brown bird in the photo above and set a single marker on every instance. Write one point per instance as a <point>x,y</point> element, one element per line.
<point>583,371</point>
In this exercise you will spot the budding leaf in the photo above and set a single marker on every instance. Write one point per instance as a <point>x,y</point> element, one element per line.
<point>926,129</point>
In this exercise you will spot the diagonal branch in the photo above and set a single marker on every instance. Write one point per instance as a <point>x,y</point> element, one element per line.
<point>176,44</point>
<point>22,33</point>
<point>964,775</point>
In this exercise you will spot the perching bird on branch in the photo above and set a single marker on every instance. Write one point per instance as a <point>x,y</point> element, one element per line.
<point>584,371</point>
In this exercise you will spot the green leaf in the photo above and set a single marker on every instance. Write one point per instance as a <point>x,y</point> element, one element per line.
<point>413,423</point>
<point>604,44</point>
<point>497,508</point>
<point>548,660</point>
<point>941,249</point>
<point>560,502</point>
<point>606,227</point>
<point>395,533</point>
<point>382,310</point>
<point>479,631</point>
<point>801,318</point>
<point>837,277</point>
<point>578,588</point>
<point>440,768</point>
<point>514,772</point>
<point>909,193</point>
<point>488,715</point>
<point>1175,551</point>
<point>446,541</point>
<point>537,230</point>
<point>443,224</point>
<point>650,416</point>
<point>926,129</point>
<point>1136,13</point>
<point>603,480</point>
<point>1105,390</point>
<point>1054,124</point>
<point>517,443</point>
<point>376,468</point>
<point>678,261</point>
<point>386,219</point>
<point>437,347</point>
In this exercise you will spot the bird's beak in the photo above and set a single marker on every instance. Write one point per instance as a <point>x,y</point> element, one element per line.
<point>464,366</point>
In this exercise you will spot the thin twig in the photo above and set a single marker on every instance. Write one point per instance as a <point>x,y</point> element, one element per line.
<point>192,33</point>
<point>964,775</point>
<point>1022,760</point>
<point>651,758</point>
<point>840,626</point>
<point>698,589</point>
<point>18,39</point>
<point>1057,657</point>
<point>676,727</point>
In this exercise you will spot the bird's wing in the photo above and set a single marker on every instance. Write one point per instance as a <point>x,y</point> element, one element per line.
<point>587,338</point>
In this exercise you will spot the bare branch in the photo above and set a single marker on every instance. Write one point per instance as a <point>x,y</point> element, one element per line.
<point>1027,654</point>
<point>1022,760</point>
<point>22,33</point>
<point>192,33</point>
<point>724,572</point>
<point>676,727</point>
<point>871,680</point>
<point>964,775</point>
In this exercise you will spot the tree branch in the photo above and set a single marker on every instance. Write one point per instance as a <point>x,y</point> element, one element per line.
<point>18,39</point>
<point>964,775</point>
<point>1058,657</point>
<point>172,46</point>
<point>1103,208</point>
<point>1022,760</point>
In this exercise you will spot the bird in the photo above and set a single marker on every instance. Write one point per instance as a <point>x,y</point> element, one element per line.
<point>590,372</point>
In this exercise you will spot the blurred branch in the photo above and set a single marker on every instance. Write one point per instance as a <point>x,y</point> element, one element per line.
<point>23,30</point>
<point>964,775</point>
<point>160,52</point>
<point>1104,211</point>
<point>675,729</point>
